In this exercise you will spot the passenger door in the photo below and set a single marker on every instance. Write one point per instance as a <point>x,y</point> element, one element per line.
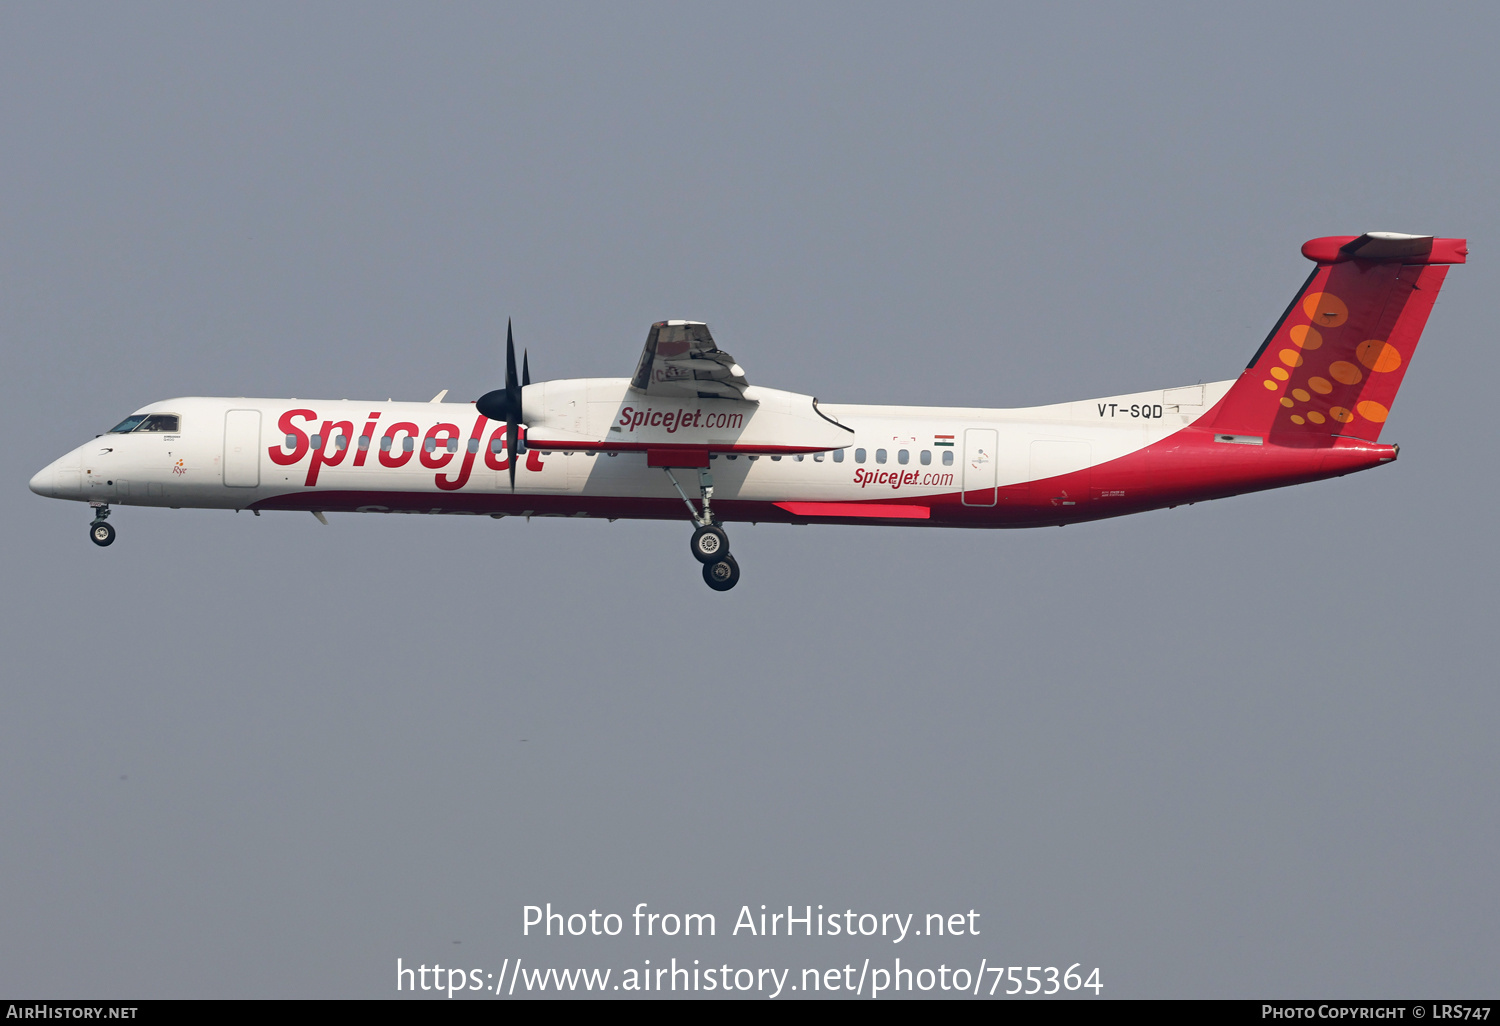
<point>980,448</point>
<point>242,449</point>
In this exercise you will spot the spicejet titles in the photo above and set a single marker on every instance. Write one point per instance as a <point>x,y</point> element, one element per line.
<point>330,445</point>
<point>632,418</point>
<point>897,478</point>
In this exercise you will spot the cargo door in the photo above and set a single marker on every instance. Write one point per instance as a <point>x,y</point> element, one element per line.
<point>1059,472</point>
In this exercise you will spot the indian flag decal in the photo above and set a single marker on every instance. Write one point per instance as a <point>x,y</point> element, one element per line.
<point>942,440</point>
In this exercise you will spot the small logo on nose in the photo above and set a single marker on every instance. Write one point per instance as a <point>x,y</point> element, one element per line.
<point>179,468</point>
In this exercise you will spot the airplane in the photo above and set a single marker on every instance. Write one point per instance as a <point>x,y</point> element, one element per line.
<point>688,437</point>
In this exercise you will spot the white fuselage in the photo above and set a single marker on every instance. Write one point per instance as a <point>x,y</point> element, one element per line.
<point>241,453</point>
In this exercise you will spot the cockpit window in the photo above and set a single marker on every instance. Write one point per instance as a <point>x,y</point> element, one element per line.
<point>167,423</point>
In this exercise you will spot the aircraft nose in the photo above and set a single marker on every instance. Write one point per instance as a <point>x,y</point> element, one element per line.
<point>59,479</point>
<point>41,481</point>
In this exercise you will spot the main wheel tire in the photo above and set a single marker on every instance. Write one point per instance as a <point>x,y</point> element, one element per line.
<point>100,533</point>
<point>721,574</point>
<point>709,544</point>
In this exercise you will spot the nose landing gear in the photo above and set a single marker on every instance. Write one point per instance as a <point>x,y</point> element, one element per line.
<point>100,533</point>
<point>722,574</point>
<point>709,544</point>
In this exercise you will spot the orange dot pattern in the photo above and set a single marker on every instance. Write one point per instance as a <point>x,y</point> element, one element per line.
<point>1306,404</point>
<point>1379,356</point>
<point>1325,309</point>
<point>1344,372</point>
<point>1305,336</point>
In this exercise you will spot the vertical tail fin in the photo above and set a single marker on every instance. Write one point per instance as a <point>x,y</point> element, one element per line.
<point>1333,363</point>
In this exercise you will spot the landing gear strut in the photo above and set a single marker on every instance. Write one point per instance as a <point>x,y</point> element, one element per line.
<point>100,533</point>
<point>709,545</point>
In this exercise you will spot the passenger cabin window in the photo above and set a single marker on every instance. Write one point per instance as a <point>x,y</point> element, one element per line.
<point>859,455</point>
<point>818,457</point>
<point>166,423</point>
<point>903,457</point>
<point>879,455</point>
<point>838,456</point>
<point>926,457</point>
<point>947,457</point>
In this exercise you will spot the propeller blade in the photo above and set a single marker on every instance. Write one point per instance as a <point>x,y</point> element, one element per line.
<point>513,403</point>
<point>510,357</point>
<point>496,403</point>
<point>525,367</point>
<point>510,448</point>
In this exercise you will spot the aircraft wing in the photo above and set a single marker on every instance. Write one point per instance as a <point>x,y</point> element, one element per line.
<point>680,360</point>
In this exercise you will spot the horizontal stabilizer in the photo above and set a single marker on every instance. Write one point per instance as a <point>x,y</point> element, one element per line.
<point>1386,246</point>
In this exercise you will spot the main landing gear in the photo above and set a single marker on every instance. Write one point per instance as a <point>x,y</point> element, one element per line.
<point>709,544</point>
<point>100,533</point>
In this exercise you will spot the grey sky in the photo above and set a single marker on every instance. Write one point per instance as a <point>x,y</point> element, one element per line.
<point>1244,748</point>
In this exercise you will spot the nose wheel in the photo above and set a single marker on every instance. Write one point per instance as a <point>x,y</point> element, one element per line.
<point>722,574</point>
<point>709,544</point>
<point>100,533</point>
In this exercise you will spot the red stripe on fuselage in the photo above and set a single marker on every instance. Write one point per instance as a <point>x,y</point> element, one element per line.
<point>1186,466</point>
